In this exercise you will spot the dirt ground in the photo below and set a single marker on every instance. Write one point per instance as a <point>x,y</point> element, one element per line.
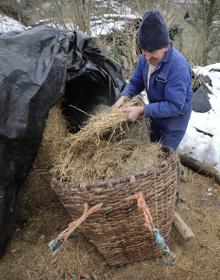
<point>40,218</point>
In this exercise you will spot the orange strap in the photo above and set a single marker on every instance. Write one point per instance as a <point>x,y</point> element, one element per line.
<point>64,235</point>
<point>56,244</point>
<point>142,204</point>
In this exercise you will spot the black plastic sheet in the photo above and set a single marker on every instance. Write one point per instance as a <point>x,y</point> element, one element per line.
<point>37,67</point>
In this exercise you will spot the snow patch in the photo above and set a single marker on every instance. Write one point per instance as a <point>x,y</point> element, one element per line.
<point>202,138</point>
<point>8,24</point>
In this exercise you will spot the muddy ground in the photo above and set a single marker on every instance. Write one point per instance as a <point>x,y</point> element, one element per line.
<point>40,218</point>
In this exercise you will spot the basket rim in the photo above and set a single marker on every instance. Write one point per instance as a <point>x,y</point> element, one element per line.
<point>118,180</point>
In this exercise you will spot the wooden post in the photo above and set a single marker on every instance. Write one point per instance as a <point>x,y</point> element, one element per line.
<point>182,228</point>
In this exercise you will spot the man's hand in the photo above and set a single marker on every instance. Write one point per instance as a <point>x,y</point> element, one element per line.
<point>133,112</point>
<point>119,102</point>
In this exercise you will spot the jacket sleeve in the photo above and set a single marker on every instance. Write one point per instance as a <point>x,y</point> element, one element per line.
<point>136,83</point>
<point>174,96</point>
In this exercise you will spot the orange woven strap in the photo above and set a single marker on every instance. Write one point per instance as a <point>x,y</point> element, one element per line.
<point>55,245</point>
<point>168,256</point>
<point>64,235</point>
<point>142,204</point>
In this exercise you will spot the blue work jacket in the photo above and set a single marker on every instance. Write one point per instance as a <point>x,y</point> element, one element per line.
<point>170,89</point>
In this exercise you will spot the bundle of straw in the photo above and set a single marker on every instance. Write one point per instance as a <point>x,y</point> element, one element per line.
<point>107,146</point>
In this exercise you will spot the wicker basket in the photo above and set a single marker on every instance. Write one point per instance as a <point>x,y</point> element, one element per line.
<point>118,230</point>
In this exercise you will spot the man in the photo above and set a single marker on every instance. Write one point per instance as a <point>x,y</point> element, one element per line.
<point>166,76</point>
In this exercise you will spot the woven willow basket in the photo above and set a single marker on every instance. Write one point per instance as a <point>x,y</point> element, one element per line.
<point>117,230</point>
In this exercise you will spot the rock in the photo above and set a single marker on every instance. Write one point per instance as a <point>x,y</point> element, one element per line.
<point>200,101</point>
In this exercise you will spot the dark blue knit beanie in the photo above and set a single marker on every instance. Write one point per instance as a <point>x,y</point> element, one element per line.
<point>153,33</point>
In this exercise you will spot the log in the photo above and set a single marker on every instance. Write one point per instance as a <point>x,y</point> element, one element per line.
<point>184,231</point>
<point>200,167</point>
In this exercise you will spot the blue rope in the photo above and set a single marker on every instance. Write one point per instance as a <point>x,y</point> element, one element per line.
<point>168,256</point>
<point>54,246</point>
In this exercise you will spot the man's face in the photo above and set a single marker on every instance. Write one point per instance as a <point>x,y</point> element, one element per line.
<point>154,57</point>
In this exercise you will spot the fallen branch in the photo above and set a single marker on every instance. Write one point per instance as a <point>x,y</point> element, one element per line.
<point>200,167</point>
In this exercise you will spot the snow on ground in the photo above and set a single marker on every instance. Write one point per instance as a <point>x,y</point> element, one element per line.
<point>116,7</point>
<point>108,22</point>
<point>115,16</point>
<point>102,25</point>
<point>205,147</point>
<point>8,24</point>
<point>103,29</point>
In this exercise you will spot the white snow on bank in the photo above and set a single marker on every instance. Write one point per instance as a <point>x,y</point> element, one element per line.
<point>8,24</point>
<point>205,148</point>
<point>103,29</point>
<point>118,8</point>
<point>117,14</point>
<point>107,22</point>
<point>115,17</point>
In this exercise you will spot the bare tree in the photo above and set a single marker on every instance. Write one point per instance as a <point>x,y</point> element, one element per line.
<point>71,14</point>
<point>203,17</point>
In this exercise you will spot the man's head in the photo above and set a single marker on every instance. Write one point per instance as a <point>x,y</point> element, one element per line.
<point>153,36</point>
<point>155,57</point>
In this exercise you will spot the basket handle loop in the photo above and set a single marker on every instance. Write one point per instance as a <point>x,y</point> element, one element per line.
<point>168,256</point>
<point>56,245</point>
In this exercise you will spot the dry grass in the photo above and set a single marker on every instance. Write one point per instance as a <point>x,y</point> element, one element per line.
<point>39,178</point>
<point>105,125</point>
<point>106,147</point>
<point>55,132</point>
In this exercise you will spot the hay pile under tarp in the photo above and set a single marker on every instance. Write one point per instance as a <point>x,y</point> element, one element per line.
<point>106,147</point>
<point>38,180</point>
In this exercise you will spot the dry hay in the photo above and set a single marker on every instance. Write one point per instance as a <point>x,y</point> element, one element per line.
<point>104,125</point>
<point>106,147</point>
<point>38,181</point>
<point>55,132</point>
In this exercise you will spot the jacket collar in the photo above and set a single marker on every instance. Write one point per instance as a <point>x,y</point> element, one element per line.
<point>168,54</point>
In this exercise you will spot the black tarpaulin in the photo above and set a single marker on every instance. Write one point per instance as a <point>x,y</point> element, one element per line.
<point>37,67</point>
